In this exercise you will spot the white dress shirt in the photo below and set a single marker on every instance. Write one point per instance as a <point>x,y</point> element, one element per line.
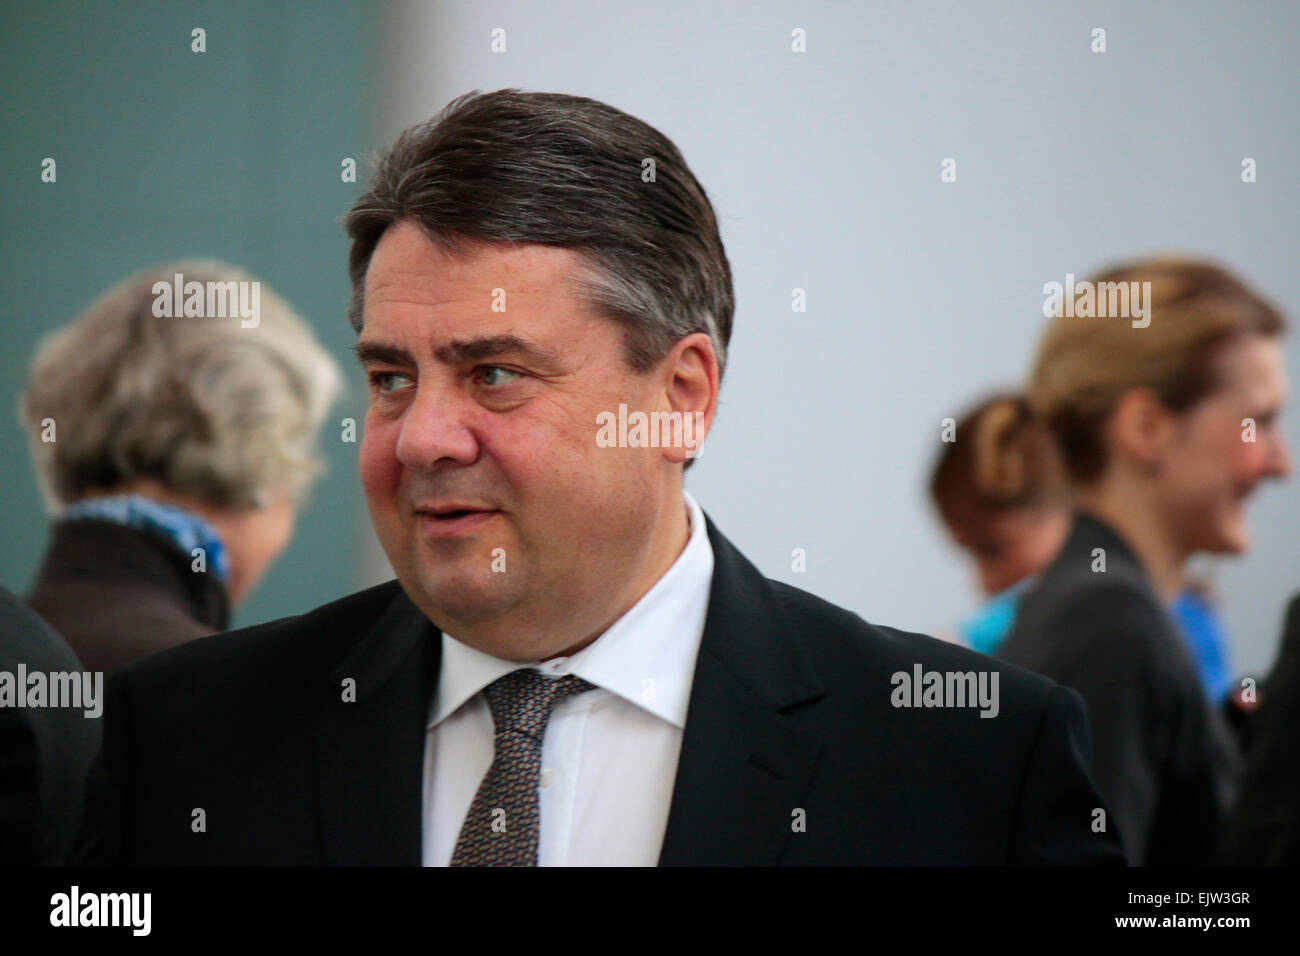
<point>609,757</point>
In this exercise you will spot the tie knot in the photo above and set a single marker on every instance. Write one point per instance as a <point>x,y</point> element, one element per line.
<point>521,701</point>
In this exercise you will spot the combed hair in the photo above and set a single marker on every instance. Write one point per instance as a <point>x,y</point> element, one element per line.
<point>522,167</point>
<point>204,406</point>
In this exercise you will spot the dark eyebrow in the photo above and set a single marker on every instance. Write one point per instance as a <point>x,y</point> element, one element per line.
<point>378,352</point>
<point>454,353</point>
<point>489,346</point>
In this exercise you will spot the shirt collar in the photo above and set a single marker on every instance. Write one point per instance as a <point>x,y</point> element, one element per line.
<point>646,657</point>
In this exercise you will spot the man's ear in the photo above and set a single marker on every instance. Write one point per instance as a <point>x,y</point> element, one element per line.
<point>690,383</point>
<point>1140,428</point>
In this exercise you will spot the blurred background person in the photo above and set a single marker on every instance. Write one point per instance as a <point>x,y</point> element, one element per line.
<point>808,215</point>
<point>1001,491</point>
<point>45,752</point>
<point>1199,623</point>
<point>170,433</point>
<point>1151,425</point>
<point>1264,828</point>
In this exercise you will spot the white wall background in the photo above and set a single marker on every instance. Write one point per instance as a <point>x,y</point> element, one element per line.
<point>824,170</point>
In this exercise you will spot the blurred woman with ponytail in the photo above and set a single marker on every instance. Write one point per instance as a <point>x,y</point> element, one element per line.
<point>1001,491</point>
<point>1164,429</point>
<point>999,488</point>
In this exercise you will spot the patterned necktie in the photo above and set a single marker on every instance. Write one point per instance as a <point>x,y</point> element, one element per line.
<point>502,826</point>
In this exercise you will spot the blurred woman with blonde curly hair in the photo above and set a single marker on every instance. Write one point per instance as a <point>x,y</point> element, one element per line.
<point>173,452</point>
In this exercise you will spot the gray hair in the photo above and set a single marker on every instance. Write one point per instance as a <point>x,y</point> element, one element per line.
<point>205,406</point>
<point>513,166</point>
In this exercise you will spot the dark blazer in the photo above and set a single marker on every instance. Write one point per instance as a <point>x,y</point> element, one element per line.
<point>45,752</point>
<point>117,593</point>
<point>1164,759</point>
<point>789,710</point>
<point>1264,829</point>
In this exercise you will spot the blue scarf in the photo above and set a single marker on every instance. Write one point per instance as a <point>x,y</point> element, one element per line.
<point>182,528</point>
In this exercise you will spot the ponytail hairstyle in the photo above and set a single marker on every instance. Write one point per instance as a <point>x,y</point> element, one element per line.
<point>1002,460</point>
<point>1084,366</point>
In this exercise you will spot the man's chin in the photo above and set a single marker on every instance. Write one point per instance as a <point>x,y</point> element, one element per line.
<point>461,598</point>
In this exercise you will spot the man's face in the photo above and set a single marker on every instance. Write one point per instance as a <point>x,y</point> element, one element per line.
<point>494,412</point>
<point>1211,467</point>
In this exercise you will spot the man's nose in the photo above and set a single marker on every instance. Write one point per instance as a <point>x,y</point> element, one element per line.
<point>435,428</point>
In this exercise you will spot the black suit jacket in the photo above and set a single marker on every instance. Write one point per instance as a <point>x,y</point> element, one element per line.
<point>45,752</point>
<point>1264,828</point>
<point>1164,758</point>
<point>790,710</point>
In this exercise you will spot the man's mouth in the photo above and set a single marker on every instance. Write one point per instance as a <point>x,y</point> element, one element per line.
<point>446,520</point>
<point>451,508</point>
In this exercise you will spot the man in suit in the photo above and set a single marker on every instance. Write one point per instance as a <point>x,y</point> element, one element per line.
<point>574,665</point>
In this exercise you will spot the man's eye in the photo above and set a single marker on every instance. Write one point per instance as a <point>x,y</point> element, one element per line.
<point>492,375</point>
<point>381,381</point>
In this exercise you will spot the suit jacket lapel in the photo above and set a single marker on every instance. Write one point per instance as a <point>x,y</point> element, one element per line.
<point>742,771</point>
<point>370,752</point>
<point>743,768</point>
